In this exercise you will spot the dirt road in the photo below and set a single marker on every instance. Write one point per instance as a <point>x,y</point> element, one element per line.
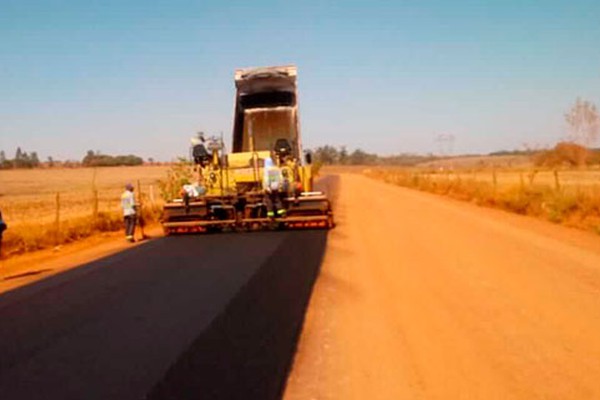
<point>418,297</point>
<point>422,297</point>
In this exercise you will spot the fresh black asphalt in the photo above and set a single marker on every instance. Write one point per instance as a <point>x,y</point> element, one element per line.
<point>198,316</point>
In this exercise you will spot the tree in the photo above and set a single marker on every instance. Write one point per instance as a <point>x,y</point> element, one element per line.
<point>89,156</point>
<point>19,158</point>
<point>4,162</point>
<point>50,161</point>
<point>360,157</point>
<point>584,123</point>
<point>34,159</point>
<point>326,155</point>
<point>343,155</point>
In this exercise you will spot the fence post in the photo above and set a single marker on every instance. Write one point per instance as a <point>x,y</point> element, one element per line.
<point>95,205</point>
<point>152,195</point>
<point>94,198</point>
<point>57,220</point>
<point>532,176</point>
<point>140,215</point>
<point>556,180</point>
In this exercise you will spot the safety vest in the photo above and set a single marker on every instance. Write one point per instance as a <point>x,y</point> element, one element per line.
<point>128,203</point>
<point>273,178</point>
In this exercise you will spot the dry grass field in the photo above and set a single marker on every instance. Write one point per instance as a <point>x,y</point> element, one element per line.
<point>88,201</point>
<point>470,162</point>
<point>505,178</point>
<point>565,196</point>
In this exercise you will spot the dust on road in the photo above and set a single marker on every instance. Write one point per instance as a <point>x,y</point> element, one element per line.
<point>422,297</point>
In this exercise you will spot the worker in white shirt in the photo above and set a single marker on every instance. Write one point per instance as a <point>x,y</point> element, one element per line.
<point>129,212</point>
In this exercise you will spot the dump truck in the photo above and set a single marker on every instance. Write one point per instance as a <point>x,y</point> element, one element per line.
<point>230,192</point>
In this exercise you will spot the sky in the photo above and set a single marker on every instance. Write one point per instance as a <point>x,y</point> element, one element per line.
<point>386,76</point>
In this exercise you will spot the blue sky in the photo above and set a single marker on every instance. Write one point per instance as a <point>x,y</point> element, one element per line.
<point>387,76</point>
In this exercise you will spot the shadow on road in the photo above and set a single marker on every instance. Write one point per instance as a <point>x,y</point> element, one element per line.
<point>247,350</point>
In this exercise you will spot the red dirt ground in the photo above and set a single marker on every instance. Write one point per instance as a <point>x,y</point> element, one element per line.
<point>424,297</point>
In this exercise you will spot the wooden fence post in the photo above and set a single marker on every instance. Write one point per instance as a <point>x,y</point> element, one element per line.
<point>556,181</point>
<point>532,176</point>
<point>152,195</point>
<point>94,198</point>
<point>95,205</point>
<point>140,215</point>
<point>57,220</point>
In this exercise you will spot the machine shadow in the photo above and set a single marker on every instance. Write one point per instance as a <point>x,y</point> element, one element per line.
<point>248,349</point>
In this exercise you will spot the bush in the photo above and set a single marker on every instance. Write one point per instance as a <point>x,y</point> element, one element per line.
<point>564,153</point>
<point>178,175</point>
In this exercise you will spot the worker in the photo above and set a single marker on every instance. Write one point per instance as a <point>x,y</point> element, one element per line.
<point>3,227</point>
<point>129,212</point>
<point>274,188</point>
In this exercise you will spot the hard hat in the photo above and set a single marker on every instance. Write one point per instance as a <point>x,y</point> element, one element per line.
<point>199,138</point>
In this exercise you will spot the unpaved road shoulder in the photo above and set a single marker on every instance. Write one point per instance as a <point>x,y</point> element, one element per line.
<point>423,297</point>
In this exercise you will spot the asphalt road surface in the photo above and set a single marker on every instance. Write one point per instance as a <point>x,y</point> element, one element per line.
<point>202,316</point>
<point>424,297</point>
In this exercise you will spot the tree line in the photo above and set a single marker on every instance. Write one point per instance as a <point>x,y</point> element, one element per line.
<point>332,155</point>
<point>582,119</point>
<point>24,159</point>
<point>95,159</point>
